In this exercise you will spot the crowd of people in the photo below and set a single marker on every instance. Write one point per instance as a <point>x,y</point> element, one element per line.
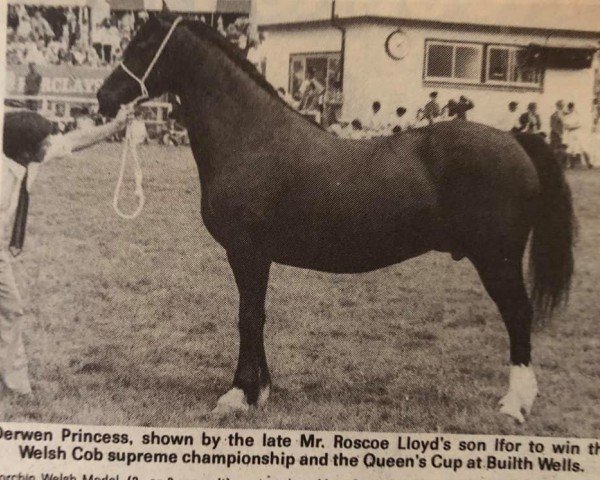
<point>564,129</point>
<point>55,36</point>
<point>61,35</point>
<point>377,124</point>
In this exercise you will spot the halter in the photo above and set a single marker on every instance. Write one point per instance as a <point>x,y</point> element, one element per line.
<point>142,81</point>
<point>128,142</point>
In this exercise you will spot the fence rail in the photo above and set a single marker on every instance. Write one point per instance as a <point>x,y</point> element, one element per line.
<point>49,104</point>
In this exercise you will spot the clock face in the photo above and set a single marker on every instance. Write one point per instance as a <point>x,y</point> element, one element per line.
<point>396,45</point>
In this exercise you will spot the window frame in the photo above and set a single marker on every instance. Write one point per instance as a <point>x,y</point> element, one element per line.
<point>483,80</point>
<point>454,44</point>
<point>304,56</point>
<point>512,49</point>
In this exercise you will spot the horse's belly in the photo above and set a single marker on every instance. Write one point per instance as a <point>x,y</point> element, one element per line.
<point>347,252</point>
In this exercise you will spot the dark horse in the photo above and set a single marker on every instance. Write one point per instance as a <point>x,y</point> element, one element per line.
<point>277,188</point>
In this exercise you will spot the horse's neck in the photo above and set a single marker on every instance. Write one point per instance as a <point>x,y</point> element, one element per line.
<point>227,113</point>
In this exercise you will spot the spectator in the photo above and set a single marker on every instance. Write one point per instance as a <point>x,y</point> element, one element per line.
<point>399,122</point>
<point>420,119</point>
<point>431,110</point>
<point>142,17</point>
<point>12,20</point>
<point>557,127</point>
<point>107,41</point>
<point>72,29</point>
<point>356,132</point>
<point>36,52</point>
<point>448,112</point>
<point>24,29</point>
<point>509,122</point>
<point>572,130</point>
<point>98,40</point>
<point>79,54</point>
<point>220,26</point>
<point>40,27</point>
<point>127,24</point>
<point>310,90</point>
<point>114,40</point>
<point>375,121</point>
<point>530,121</point>
<point>137,130</point>
<point>462,107</point>
<point>33,83</point>
<point>286,97</point>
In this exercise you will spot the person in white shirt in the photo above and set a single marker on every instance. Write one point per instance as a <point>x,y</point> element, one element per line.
<point>509,121</point>
<point>573,136</point>
<point>375,123</point>
<point>399,122</point>
<point>27,143</point>
<point>137,131</point>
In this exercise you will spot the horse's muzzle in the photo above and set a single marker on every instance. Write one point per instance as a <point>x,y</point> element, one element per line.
<point>108,105</point>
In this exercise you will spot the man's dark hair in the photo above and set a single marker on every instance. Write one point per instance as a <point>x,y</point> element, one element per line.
<point>376,105</point>
<point>356,123</point>
<point>433,94</point>
<point>400,111</point>
<point>24,132</point>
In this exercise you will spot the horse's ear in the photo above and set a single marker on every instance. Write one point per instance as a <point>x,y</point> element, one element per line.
<point>165,7</point>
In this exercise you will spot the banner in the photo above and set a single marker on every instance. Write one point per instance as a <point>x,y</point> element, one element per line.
<point>63,80</point>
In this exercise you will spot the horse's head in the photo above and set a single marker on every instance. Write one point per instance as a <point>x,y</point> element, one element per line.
<point>140,60</point>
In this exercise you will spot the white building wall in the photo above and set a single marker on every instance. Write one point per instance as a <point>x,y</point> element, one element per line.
<point>370,74</point>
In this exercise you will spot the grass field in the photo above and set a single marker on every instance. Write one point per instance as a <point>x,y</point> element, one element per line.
<point>134,322</point>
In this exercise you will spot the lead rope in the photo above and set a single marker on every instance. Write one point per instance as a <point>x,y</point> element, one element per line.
<point>129,146</point>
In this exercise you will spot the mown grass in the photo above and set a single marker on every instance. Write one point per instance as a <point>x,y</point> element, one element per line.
<point>134,322</point>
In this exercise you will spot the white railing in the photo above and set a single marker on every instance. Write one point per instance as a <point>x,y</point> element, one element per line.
<point>47,106</point>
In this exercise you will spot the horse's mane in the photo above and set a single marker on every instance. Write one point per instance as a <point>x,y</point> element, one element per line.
<point>235,54</point>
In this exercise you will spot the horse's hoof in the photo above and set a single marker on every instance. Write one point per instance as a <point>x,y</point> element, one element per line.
<point>263,396</point>
<point>511,405</point>
<point>522,391</point>
<point>233,401</point>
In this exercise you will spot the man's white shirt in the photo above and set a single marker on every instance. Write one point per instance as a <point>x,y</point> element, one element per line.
<point>11,176</point>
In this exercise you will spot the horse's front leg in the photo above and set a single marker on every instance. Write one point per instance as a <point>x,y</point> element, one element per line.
<point>252,379</point>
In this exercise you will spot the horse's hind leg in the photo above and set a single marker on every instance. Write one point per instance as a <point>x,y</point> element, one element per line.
<point>503,280</point>
<point>252,380</point>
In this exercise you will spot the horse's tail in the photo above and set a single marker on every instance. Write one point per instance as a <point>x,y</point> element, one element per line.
<point>551,255</point>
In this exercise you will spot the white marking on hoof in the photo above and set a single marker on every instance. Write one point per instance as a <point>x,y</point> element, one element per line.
<point>522,390</point>
<point>233,401</point>
<point>263,396</point>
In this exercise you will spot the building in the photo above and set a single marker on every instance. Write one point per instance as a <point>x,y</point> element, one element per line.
<point>399,51</point>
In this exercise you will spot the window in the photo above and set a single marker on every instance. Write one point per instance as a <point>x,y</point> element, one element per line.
<point>326,68</point>
<point>509,65</point>
<point>459,62</point>
<point>479,63</point>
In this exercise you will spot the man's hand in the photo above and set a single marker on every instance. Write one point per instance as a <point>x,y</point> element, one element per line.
<point>124,115</point>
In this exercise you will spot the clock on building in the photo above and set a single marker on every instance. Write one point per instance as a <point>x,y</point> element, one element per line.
<point>396,45</point>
